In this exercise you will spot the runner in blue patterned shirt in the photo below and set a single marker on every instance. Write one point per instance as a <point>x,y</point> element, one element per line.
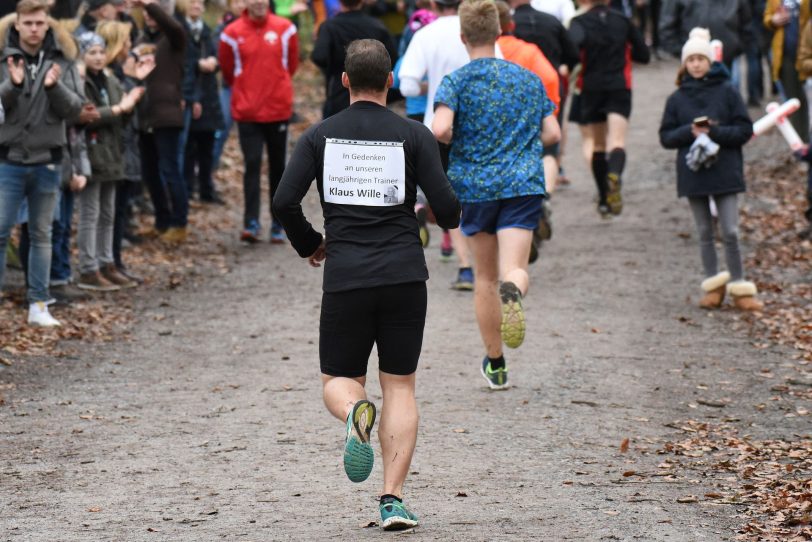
<point>498,116</point>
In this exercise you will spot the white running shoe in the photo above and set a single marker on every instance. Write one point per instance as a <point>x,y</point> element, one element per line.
<point>38,315</point>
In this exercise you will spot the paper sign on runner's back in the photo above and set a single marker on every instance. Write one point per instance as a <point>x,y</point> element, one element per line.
<point>371,173</point>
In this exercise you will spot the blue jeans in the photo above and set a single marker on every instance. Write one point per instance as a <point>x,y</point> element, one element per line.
<point>161,171</point>
<point>40,185</point>
<point>60,263</point>
<point>184,137</point>
<point>221,136</point>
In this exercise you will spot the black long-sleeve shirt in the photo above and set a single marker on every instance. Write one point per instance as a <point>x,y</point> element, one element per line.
<point>375,243</point>
<point>608,42</point>
<point>547,33</point>
<point>330,48</point>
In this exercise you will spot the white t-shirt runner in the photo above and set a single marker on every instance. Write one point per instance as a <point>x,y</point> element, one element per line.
<point>434,52</point>
<point>371,173</point>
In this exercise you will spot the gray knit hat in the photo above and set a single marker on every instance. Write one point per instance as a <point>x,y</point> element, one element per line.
<point>89,39</point>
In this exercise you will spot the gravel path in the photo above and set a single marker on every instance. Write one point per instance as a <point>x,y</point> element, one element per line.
<point>209,424</point>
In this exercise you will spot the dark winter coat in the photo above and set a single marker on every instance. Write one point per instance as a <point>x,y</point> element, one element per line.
<point>199,87</point>
<point>335,34</point>
<point>227,19</point>
<point>104,135</point>
<point>161,105</point>
<point>35,117</point>
<point>129,133</point>
<point>727,20</point>
<point>714,97</point>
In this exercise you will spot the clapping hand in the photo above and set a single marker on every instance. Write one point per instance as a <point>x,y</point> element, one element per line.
<point>16,71</point>
<point>137,93</point>
<point>207,65</point>
<point>89,114</point>
<point>52,76</point>
<point>144,66</point>
<point>127,103</point>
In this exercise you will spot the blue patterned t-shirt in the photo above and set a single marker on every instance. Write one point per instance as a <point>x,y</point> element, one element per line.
<point>496,151</point>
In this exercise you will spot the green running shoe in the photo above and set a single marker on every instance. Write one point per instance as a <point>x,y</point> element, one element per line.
<point>358,454</point>
<point>613,198</point>
<point>497,378</point>
<point>512,315</point>
<point>395,516</point>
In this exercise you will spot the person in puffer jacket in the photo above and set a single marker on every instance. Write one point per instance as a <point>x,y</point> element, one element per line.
<point>706,106</point>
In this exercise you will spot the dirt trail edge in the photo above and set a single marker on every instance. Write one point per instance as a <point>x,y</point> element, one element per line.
<point>209,424</point>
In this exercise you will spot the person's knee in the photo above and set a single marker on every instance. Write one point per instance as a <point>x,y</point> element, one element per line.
<point>705,232</point>
<point>730,235</point>
<point>485,275</point>
<point>397,384</point>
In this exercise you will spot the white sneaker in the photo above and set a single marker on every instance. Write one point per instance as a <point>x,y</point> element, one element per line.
<point>38,315</point>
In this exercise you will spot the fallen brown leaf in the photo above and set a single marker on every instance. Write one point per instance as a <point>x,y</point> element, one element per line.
<point>624,446</point>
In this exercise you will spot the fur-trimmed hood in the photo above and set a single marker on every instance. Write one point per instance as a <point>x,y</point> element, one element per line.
<point>61,35</point>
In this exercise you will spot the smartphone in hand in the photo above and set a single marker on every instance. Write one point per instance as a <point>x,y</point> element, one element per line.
<point>702,122</point>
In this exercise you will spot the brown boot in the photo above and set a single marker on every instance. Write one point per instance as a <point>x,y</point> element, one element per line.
<point>744,293</point>
<point>175,235</point>
<point>714,288</point>
<point>110,272</point>
<point>96,283</point>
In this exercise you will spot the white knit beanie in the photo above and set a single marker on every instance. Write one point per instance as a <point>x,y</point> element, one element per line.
<point>698,44</point>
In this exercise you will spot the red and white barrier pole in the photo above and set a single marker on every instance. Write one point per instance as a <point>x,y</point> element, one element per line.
<point>718,50</point>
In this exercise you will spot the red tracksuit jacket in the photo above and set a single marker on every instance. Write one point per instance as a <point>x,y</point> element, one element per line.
<point>258,59</point>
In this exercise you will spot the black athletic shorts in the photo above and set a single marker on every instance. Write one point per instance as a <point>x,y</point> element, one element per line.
<point>596,105</point>
<point>575,109</point>
<point>393,317</point>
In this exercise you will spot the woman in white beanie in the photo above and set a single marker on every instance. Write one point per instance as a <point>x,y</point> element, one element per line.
<point>707,122</point>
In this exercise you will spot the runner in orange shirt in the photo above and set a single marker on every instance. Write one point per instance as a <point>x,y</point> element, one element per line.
<point>527,55</point>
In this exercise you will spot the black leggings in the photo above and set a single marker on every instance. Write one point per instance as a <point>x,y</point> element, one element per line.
<point>393,317</point>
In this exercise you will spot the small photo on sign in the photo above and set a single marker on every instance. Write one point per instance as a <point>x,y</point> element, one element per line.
<point>371,173</point>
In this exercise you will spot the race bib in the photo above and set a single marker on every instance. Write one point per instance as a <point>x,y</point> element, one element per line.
<point>371,173</point>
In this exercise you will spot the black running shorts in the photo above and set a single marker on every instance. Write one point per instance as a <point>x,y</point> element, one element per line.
<point>575,109</point>
<point>392,317</point>
<point>596,105</point>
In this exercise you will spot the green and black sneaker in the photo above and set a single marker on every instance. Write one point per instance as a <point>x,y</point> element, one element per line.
<point>497,378</point>
<point>358,454</point>
<point>513,324</point>
<point>394,514</point>
<point>613,198</point>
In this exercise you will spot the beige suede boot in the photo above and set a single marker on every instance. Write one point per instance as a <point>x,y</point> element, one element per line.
<point>714,288</point>
<point>744,293</point>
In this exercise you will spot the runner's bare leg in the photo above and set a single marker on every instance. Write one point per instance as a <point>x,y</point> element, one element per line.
<point>398,429</point>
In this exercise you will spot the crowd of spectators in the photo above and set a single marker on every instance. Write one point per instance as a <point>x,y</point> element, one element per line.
<point>114,107</point>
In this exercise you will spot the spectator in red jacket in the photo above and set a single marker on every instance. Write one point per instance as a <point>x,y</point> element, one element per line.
<point>259,53</point>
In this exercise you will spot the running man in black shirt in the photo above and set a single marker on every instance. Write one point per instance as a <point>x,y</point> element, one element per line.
<point>608,42</point>
<point>368,163</point>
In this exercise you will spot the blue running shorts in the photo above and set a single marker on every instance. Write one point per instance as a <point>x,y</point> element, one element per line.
<point>491,216</point>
